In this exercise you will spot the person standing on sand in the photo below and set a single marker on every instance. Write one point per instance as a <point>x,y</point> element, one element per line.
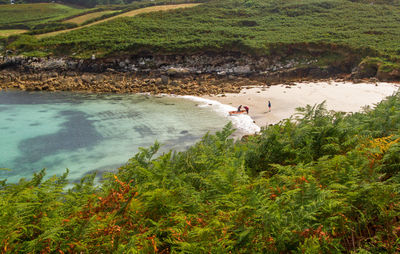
<point>269,106</point>
<point>247,109</point>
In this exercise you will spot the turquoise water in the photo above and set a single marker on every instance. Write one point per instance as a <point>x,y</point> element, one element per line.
<point>89,132</point>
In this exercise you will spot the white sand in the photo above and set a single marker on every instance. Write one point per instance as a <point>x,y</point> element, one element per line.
<point>339,96</point>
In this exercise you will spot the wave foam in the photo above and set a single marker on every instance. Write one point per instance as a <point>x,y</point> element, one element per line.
<point>241,122</point>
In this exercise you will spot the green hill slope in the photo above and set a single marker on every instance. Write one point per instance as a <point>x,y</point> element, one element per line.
<point>351,29</point>
<point>125,14</point>
<point>250,25</point>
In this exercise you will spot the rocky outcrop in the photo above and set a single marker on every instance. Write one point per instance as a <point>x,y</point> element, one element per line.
<point>364,70</point>
<point>122,83</point>
<point>178,74</point>
<point>388,76</point>
<point>381,69</point>
<point>169,65</point>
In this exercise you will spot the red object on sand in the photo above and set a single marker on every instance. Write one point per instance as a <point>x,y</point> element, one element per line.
<point>232,113</point>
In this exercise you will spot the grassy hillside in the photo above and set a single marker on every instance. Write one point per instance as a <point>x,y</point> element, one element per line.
<point>30,15</point>
<point>329,183</point>
<point>125,14</point>
<point>342,29</point>
<point>254,26</point>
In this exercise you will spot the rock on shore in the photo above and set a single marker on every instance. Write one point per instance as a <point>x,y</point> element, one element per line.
<point>121,83</point>
<point>196,74</point>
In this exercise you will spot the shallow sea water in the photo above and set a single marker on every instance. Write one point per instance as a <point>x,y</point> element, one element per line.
<point>92,132</point>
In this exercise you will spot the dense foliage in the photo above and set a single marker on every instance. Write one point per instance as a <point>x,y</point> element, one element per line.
<point>327,182</point>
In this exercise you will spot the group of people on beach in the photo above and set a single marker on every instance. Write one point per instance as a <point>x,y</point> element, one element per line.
<point>247,108</point>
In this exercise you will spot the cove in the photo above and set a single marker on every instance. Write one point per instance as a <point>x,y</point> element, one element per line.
<point>92,132</point>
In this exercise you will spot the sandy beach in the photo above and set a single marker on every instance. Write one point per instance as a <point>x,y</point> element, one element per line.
<point>339,96</point>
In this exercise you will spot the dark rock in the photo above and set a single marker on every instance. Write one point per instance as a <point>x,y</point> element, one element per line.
<point>86,78</point>
<point>242,69</point>
<point>388,76</point>
<point>174,83</point>
<point>365,70</point>
<point>164,79</point>
<point>316,73</point>
<point>53,74</point>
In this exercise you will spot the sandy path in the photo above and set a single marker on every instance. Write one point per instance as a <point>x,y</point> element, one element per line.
<point>9,32</point>
<point>126,14</point>
<point>339,96</point>
<point>80,19</point>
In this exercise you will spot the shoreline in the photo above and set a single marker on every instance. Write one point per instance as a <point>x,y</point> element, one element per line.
<point>339,96</point>
<point>243,124</point>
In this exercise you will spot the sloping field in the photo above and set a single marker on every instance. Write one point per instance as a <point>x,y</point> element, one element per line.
<point>155,8</point>
<point>126,14</point>
<point>7,33</point>
<point>258,26</point>
<point>81,19</point>
<point>28,15</point>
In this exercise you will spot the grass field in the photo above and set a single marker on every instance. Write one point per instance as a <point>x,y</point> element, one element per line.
<point>254,26</point>
<point>81,19</point>
<point>30,15</point>
<point>126,14</point>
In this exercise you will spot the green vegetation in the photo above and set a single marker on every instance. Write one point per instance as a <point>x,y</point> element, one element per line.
<point>41,18</point>
<point>252,26</point>
<point>326,183</point>
<point>27,16</point>
<point>255,26</point>
<point>51,27</point>
<point>86,3</point>
<point>377,64</point>
<point>92,3</point>
<point>129,11</point>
